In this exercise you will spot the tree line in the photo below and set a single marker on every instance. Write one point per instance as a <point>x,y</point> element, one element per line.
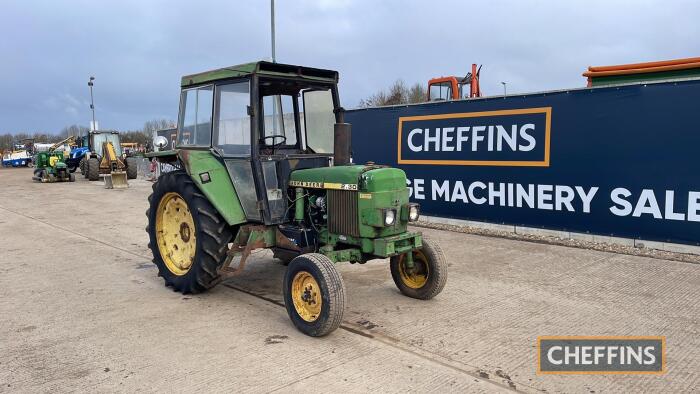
<point>143,136</point>
<point>396,94</point>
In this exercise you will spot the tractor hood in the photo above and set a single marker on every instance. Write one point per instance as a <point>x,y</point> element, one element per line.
<point>366,178</point>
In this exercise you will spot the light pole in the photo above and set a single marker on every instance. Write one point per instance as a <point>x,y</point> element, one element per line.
<point>272,27</point>
<point>504,89</point>
<point>93,126</point>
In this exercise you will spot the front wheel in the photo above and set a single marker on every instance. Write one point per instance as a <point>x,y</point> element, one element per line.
<point>314,294</point>
<point>426,278</point>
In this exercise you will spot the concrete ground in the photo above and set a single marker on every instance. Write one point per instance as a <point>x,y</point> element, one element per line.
<point>81,309</point>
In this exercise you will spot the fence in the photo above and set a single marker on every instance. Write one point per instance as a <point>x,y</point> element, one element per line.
<point>616,161</point>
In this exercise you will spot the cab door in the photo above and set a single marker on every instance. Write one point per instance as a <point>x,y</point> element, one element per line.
<point>232,142</point>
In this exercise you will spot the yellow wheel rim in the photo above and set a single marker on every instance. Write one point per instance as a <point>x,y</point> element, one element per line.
<point>175,233</point>
<point>306,296</point>
<point>417,276</point>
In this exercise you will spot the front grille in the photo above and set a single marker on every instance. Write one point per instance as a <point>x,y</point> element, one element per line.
<point>342,213</point>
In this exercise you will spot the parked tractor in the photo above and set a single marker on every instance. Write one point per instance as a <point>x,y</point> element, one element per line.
<point>50,165</point>
<point>262,160</point>
<point>105,158</point>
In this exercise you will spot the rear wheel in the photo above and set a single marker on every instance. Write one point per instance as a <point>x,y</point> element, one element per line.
<point>314,294</point>
<point>426,278</point>
<point>188,237</point>
<point>93,169</point>
<point>131,167</point>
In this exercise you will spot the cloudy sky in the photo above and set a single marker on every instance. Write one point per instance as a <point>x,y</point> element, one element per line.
<point>137,50</point>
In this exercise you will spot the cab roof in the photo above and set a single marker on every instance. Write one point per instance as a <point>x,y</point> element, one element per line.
<point>263,68</point>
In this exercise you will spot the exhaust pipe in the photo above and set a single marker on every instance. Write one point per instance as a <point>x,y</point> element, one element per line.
<point>342,144</point>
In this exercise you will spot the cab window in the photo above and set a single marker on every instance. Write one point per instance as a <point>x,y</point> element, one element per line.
<point>279,120</point>
<point>319,119</point>
<point>441,91</point>
<point>232,126</point>
<point>195,117</point>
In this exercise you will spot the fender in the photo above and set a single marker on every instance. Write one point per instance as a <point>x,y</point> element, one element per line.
<point>218,187</point>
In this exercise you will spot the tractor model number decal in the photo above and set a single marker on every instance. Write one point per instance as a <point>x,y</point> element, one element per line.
<point>324,185</point>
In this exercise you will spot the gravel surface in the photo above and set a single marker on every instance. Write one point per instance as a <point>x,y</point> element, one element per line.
<point>574,243</point>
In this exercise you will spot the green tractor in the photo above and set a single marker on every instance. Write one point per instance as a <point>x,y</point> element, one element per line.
<point>262,160</point>
<point>50,166</point>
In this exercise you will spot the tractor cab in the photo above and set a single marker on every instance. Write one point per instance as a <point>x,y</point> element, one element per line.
<point>455,88</point>
<point>263,120</point>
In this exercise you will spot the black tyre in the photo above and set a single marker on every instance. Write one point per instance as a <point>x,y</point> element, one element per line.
<point>71,177</point>
<point>38,174</point>
<point>83,166</point>
<point>188,237</point>
<point>93,169</point>
<point>314,294</point>
<point>428,276</point>
<point>131,167</point>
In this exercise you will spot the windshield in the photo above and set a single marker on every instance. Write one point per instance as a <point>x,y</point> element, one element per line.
<point>440,91</point>
<point>319,119</point>
<point>101,138</point>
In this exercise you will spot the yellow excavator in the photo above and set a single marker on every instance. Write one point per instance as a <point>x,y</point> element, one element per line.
<point>106,161</point>
<point>113,168</point>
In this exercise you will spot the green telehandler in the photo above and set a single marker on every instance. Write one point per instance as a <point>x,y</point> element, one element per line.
<point>50,166</point>
<point>262,160</point>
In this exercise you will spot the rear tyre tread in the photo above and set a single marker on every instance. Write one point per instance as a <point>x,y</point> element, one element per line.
<point>212,238</point>
<point>93,169</point>
<point>131,167</point>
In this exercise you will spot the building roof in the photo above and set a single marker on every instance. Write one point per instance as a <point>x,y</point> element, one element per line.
<point>261,68</point>
<point>636,72</point>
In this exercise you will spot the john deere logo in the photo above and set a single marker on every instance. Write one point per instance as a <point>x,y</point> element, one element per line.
<point>517,137</point>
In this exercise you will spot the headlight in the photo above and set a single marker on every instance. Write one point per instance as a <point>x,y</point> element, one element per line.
<point>389,217</point>
<point>413,212</point>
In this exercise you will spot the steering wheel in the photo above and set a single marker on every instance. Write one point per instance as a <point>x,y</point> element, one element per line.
<point>284,139</point>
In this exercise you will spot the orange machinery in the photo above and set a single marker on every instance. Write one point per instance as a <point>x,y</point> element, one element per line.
<point>452,88</point>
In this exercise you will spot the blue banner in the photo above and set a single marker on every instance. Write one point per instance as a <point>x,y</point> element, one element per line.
<point>620,161</point>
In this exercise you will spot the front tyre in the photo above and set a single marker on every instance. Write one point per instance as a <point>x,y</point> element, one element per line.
<point>314,294</point>
<point>426,278</point>
<point>188,237</point>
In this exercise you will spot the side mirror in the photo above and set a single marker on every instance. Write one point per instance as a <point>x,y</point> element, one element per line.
<point>160,142</point>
